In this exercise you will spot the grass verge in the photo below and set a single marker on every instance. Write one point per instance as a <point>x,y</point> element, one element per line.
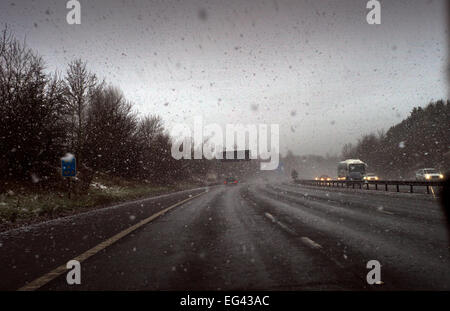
<point>20,207</point>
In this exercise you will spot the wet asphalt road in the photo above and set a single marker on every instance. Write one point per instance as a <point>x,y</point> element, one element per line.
<point>262,237</point>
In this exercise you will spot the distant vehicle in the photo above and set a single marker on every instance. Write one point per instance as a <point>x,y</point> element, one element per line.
<point>429,174</point>
<point>211,177</point>
<point>371,176</point>
<point>351,169</point>
<point>231,181</point>
<point>323,178</point>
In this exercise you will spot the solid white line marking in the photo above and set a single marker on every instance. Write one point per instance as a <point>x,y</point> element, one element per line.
<point>39,282</point>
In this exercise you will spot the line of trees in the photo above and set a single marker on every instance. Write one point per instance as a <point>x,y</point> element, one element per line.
<point>43,116</point>
<point>421,140</point>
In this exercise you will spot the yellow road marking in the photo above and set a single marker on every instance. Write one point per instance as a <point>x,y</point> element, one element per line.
<point>39,282</point>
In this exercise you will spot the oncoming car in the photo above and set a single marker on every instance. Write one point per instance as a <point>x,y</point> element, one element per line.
<point>323,178</point>
<point>429,174</point>
<point>371,176</point>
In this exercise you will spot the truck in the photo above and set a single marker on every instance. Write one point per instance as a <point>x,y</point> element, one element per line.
<point>351,169</point>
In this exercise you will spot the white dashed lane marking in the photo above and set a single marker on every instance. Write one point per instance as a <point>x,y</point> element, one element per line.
<point>307,241</point>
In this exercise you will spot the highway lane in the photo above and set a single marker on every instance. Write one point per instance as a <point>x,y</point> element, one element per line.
<point>279,237</point>
<point>406,233</point>
<point>29,252</point>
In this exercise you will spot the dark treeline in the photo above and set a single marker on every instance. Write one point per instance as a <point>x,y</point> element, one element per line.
<point>421,140</point>
<point>44,116</point>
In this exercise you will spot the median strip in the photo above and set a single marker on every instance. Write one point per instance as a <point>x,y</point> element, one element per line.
<point>43,280</point>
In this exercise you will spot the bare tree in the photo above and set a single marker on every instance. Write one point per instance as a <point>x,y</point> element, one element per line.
<point>149,128</point>
<point>80,87</point>
<point>110,133</point>
<point>348,151</point>
<point>31,124</point>
<point>43,116</point>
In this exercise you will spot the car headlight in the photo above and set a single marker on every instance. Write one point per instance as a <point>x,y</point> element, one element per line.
<point>441,176</point>
<point>376,178</point>
<point>427,176</point>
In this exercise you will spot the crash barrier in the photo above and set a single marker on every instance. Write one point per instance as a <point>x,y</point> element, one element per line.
<point>372,184</point>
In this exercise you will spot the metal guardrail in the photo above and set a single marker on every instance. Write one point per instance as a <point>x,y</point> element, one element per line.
<point>366,184</point>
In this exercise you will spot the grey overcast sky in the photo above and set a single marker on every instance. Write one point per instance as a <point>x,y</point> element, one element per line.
<point>317,68</point>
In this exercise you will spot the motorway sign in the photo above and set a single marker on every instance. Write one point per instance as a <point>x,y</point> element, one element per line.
<point>68,165</point>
